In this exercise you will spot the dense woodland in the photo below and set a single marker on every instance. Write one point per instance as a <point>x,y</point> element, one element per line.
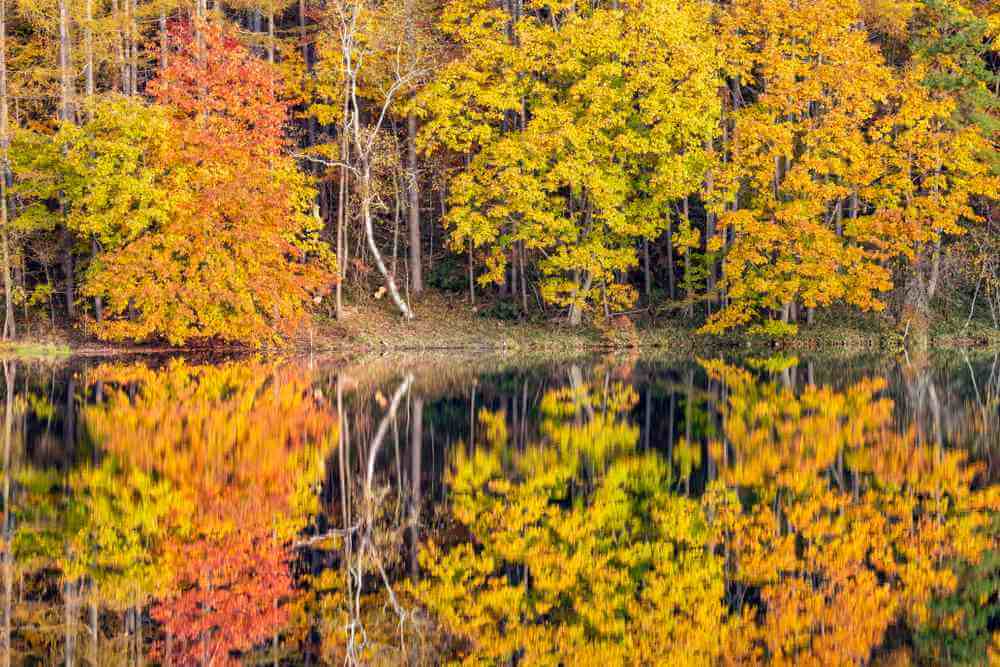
<point>224,171</point>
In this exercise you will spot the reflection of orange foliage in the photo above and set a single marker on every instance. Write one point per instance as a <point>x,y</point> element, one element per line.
<point>241,442</point>
<point>242,438</point>
<point>230,588</point>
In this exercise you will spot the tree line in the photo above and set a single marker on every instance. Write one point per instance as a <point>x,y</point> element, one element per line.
<point>220,171</point>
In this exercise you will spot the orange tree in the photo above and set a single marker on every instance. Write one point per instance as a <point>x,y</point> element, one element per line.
<point>235,259</point>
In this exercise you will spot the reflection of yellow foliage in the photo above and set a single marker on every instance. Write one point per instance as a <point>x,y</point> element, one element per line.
<point>825,527</point>
<point>852,526</point>
<point>127,513</point>
<point>565,571</point>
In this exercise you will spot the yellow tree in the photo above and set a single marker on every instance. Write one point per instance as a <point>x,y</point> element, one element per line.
<point>581,126</point>
<point>799,160</point>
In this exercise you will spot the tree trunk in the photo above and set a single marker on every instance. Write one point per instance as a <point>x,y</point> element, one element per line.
<point>416,271</point>
<point>9,327</point>
<point>98,300</point>
<point>671,278</point>
<point>133,31</point>
<point>575,310</point>
<point>366,214</point>
<point>163,40</point>
<point>119,46</point>
<point>65,75</point>
<point>472,278</point>
<point>688,283</point>
<point>524,280</point>
<point>341,219</point>
<point>67,262</point>
<point>88,47</point>
<point>270,33</point>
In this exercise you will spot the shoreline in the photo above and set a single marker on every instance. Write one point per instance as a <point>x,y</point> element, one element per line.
<point>442,325</point>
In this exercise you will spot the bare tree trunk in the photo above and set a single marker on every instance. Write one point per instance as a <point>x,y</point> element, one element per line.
<point>67,262</point>
<point>66,114</point>
<point>688,287</point>
<point>524,280</point>
<point>575,311</point>
<point>133,31</point>
<point>119,46</point>
<point>270,33</point>
<point>646,273</point>
<point>671,278</point>
<point>65,73</point>
<point>710,256</point>
<point>472,278</point>
<point>164,47</point>
<point>88,48</point>
<point>363,141</point>
<point>9,326</point>
<point>416,271</point>
<point>366,214</point>
<point>88,41</point>
<point>341,220</point>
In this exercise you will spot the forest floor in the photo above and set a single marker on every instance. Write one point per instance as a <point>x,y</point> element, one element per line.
<point>447,322</point>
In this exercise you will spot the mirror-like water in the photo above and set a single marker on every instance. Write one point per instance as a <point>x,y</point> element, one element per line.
<point>428,510</point>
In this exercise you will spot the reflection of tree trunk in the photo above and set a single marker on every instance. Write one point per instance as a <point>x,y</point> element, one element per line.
<point>139,656</point>
<point>69,423</point>
<point>416,450</point>
<point>94,624</point>
<point>70,643</point>
<point>580,390</point>
<point>8,556</point>
<point>383,427</point>
<point>472,420</point>
<point>649,415</point>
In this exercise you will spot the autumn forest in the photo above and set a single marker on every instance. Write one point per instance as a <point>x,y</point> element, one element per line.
<point>230,171</point>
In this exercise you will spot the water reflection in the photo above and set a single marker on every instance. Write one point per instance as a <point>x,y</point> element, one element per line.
<point>414,511</point>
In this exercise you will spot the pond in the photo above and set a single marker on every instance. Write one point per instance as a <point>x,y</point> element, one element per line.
<point>501,511</point>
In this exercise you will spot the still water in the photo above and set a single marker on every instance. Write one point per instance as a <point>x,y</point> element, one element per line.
<point>496,511</point>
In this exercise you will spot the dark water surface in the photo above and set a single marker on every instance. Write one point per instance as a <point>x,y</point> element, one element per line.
<point>494,511</point>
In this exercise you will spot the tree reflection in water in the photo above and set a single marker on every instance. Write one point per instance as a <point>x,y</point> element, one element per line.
<point>251,511</point>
